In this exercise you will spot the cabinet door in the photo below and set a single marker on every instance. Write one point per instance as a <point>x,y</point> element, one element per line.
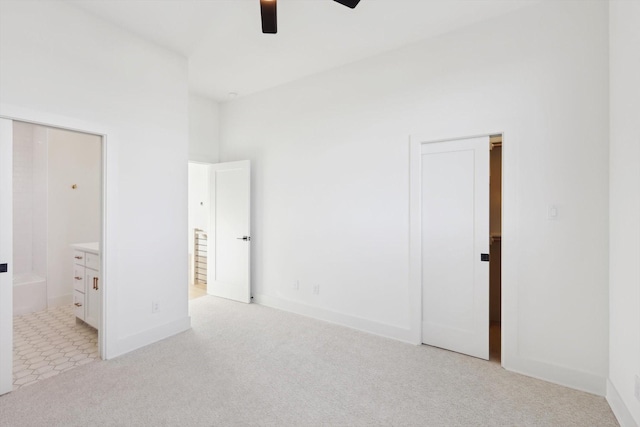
<point>92,261</point>
<point>92,298</point>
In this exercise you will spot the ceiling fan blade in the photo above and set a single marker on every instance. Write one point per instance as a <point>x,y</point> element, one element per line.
<point>349,3</point>
<point>269,16</point>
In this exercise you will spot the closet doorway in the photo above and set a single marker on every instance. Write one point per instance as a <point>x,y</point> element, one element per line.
<point>52,232</point>
<point>495,249</point>
<point>456,210</point>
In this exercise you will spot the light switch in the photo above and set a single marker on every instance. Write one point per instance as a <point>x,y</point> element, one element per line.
<point>552,212</point>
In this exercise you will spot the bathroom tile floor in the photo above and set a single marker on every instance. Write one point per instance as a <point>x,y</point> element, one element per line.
<point>48,343</point>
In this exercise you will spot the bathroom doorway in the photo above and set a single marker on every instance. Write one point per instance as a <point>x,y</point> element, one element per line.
<point>57,232</point>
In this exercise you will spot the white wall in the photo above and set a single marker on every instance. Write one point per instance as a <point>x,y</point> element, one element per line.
<point>624,354</point>
<point>63,63</point>
<point>73,215</point>
<point>330,185</point>
<point>204,129</point>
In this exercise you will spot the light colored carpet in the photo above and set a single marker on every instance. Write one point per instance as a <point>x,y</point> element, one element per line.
<point>252,365</point>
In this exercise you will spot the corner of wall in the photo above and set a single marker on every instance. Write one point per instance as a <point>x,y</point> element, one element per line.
<point>557,374</point>
<point>137,341</point>
<point>204,129</point>
<point>620,410</point>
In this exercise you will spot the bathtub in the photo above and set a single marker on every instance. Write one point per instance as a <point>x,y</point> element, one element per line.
<point>29,293</point>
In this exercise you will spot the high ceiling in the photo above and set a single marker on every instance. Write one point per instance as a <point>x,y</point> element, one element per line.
<point>228,53</point>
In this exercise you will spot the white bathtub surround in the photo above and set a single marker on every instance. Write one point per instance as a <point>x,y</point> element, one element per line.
<point>30,217</point>
<point>49,342</point>
<point>29,293</point>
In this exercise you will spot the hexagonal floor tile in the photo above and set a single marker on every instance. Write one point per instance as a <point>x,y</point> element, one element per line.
<point>23,373</point>
<point>49,342</point>
<point>25,380</point>
<point>63,366</point>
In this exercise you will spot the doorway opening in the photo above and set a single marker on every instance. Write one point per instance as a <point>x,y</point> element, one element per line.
<point>198,212</point>
<point>455,243</point>
<point>495,248</point>
<point>57,232</point>
<point>219,230</point>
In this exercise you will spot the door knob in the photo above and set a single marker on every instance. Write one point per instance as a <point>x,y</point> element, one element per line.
<point>245,238</point>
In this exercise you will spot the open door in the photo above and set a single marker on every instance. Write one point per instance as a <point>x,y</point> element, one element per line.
<point>228,257</point>
<point>6,256</point>
<point>455,245</point>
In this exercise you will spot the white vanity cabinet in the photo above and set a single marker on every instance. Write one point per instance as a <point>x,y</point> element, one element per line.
<point>86,282</point>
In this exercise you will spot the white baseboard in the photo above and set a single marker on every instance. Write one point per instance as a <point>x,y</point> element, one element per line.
<point>134,342</point>
<point>618,407</point>
<point>369,326</point>
<point>60,301</point>
<point>561,375</point>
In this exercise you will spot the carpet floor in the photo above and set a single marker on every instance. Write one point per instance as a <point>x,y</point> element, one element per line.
<point>244,365</point>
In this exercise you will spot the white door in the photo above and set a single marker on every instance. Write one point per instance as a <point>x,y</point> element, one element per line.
<point>6,256</point>
<point>455,239</point>
<point>228,260</point>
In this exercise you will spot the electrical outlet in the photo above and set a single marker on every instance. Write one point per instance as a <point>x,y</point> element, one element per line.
<point>296,284</point>
<point>316,289</point>
<point>155,306</point>
<point>637,388</point>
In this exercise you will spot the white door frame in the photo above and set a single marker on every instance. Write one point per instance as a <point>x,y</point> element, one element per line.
<point>415,229</point>
<point>107,329</point>
<point>6,255</point>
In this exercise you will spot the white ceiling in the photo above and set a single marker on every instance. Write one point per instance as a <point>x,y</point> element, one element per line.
<point>227,51</point>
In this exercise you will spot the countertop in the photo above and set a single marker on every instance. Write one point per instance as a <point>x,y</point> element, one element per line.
<point>93,247</point>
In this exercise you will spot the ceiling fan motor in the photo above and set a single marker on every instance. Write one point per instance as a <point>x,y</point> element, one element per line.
<point>268,12</point>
